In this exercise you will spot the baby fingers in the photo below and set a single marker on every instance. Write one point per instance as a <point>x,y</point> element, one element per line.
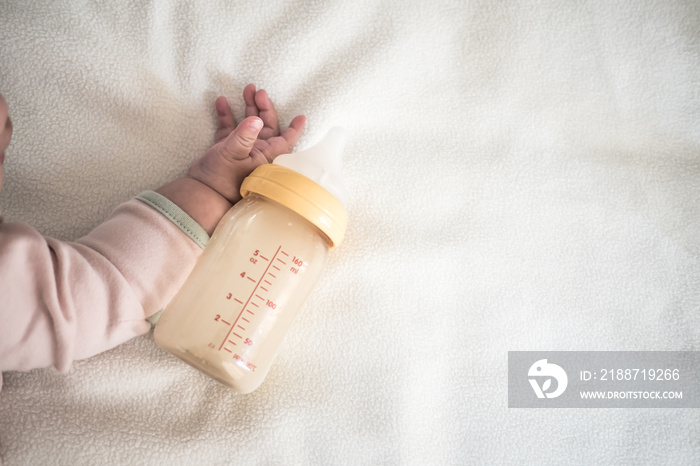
<point>268,114</point>
<point>240,141</point>
<point>226,122</point>
<point>258,103</point>
<point>284,143</point>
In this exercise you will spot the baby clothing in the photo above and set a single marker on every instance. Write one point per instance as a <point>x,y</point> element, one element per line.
<point>62,301</point>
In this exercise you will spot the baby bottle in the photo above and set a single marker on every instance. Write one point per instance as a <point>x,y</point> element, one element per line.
<point>260,265</point>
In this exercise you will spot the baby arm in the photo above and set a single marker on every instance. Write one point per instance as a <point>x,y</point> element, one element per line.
<point>63,301</point>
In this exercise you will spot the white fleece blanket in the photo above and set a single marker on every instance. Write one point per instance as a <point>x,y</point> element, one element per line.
<point>523,176</point>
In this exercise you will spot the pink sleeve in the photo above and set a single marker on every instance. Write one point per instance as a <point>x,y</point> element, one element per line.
<point>63,301</point>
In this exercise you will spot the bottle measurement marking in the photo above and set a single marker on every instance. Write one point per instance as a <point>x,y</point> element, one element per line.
<point>235,322</point>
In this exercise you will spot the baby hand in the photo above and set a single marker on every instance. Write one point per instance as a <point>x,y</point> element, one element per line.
<point>239,149</point>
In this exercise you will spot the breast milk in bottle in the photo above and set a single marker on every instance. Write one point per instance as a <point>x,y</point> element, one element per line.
<point>260,265</point>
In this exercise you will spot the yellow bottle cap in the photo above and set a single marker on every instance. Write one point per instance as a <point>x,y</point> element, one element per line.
<point>302,195</point>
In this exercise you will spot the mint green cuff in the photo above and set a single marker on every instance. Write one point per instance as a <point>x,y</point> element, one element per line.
<point>176,215</point>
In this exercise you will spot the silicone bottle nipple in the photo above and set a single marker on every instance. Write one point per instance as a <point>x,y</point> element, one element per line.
<point>321,162</point>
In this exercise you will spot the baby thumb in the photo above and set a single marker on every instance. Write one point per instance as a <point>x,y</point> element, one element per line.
<point>239,143</point>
